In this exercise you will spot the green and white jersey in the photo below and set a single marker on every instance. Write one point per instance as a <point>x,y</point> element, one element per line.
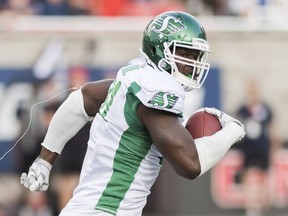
<point>121,163</point>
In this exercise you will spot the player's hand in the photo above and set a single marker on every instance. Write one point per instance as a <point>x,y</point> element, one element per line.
<point>224,119</point>
<point>37,178</point>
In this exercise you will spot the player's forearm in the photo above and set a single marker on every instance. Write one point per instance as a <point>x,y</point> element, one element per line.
<point>212,148</point>
<point>47,155</point>
<point>66,122</point>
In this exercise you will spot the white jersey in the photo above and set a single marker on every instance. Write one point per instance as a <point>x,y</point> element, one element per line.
<point>121,163</point>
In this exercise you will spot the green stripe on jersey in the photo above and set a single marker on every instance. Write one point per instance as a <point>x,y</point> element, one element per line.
<point>134,144</point>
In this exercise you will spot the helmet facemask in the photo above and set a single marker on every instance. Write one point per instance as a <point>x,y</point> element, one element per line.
<point>199,67</point>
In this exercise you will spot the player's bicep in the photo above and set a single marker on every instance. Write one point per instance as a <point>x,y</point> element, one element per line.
<point>94,94</point>
<point>172,140</point>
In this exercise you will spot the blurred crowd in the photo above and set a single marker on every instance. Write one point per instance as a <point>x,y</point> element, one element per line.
<point>143,7</point>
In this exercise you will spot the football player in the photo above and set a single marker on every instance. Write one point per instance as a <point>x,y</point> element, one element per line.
<point>137,123</point>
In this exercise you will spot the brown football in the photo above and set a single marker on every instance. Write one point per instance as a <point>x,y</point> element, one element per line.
<point>202,124</point>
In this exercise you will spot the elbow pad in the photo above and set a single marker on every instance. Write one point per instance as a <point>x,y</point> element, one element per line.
<point>66,122</point>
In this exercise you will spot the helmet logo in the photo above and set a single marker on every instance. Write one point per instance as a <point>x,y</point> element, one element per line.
<point>168,25</point>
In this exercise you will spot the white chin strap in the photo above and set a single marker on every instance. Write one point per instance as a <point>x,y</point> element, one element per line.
<point>187,84</point>
<point>196,79</point>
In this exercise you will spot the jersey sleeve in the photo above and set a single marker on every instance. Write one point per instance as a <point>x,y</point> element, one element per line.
<point>158,90</point>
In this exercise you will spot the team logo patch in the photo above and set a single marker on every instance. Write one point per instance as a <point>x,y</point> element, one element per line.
<point>164,99</point>
<point>168,25</point>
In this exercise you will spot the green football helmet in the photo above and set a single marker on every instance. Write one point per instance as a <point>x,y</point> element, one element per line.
<point>169,31</point>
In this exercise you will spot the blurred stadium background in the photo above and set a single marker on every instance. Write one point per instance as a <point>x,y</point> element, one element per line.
<point>45,45</point>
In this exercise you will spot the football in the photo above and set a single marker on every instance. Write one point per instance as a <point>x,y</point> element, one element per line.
<point>202,124</point>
